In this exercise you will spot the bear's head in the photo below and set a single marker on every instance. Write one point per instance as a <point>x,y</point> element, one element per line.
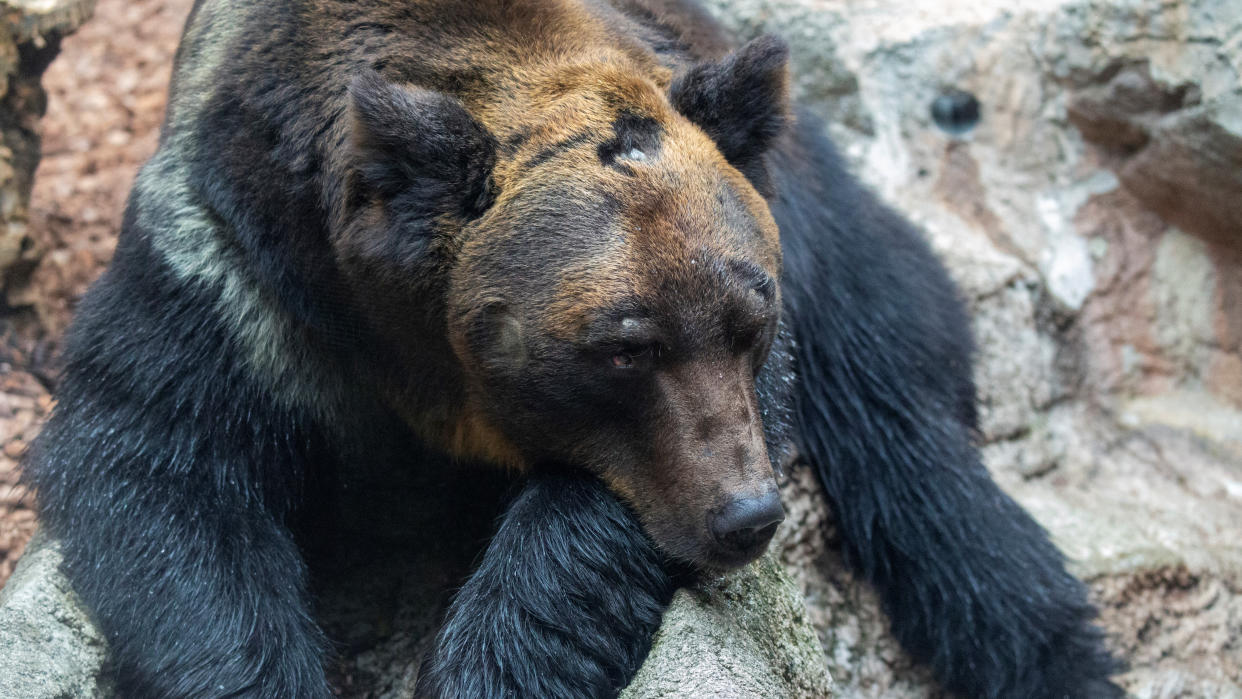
<point>604,269</point>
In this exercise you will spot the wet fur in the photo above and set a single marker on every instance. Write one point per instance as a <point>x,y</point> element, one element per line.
<point>213,375</point>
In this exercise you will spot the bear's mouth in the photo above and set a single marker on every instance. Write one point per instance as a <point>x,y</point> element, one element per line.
<point>720,564</point>
<point>725,559</point>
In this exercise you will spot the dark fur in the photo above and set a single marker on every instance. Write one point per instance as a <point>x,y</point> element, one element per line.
<point>169,479</point>
<point>567,557</point>
<point>886,413</point>
<point>742,117</point>
<point>184,448</point>
<point>446,169</point>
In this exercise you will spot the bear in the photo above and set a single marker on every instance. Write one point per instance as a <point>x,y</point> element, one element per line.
<point>592,242</point>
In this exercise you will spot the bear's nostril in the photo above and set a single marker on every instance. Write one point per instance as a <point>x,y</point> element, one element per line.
<point>746,523</point>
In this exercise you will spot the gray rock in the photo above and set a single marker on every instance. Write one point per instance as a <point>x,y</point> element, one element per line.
<point>49,648</point>
<point>745,635</point>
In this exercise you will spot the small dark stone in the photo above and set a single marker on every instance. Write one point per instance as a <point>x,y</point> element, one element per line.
<point>955,111</point>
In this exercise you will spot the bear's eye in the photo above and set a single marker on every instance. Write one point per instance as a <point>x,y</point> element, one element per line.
<point>632,358</point>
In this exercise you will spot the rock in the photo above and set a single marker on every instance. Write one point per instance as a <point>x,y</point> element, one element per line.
<point>48,646</point>
<point>1180,157</point>
<point>1092,220</point>
<point>30,34</point>
<point>745,635</point>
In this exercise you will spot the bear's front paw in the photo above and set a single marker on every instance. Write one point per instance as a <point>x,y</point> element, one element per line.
<point>563,604</point>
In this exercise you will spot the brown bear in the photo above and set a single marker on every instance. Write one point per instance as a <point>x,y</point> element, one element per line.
<point>588,241</point>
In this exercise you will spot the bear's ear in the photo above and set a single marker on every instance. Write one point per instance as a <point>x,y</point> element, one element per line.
<point>741,101</point>
<point>419,149</point>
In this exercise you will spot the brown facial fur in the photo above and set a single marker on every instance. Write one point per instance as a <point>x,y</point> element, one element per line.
<point>613,227</point>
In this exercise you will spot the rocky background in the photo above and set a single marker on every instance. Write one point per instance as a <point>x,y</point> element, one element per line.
<point>1092,215</point>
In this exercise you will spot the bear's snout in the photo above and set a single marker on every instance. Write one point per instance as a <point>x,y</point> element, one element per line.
<point>745,525</point>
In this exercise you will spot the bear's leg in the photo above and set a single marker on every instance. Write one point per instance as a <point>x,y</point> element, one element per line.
<point>167,474</point>
<point>563,604</point>
<point>886,414</point>
<point>198,593</point>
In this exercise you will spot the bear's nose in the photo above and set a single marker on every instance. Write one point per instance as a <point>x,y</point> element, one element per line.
<point>747,523</point>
